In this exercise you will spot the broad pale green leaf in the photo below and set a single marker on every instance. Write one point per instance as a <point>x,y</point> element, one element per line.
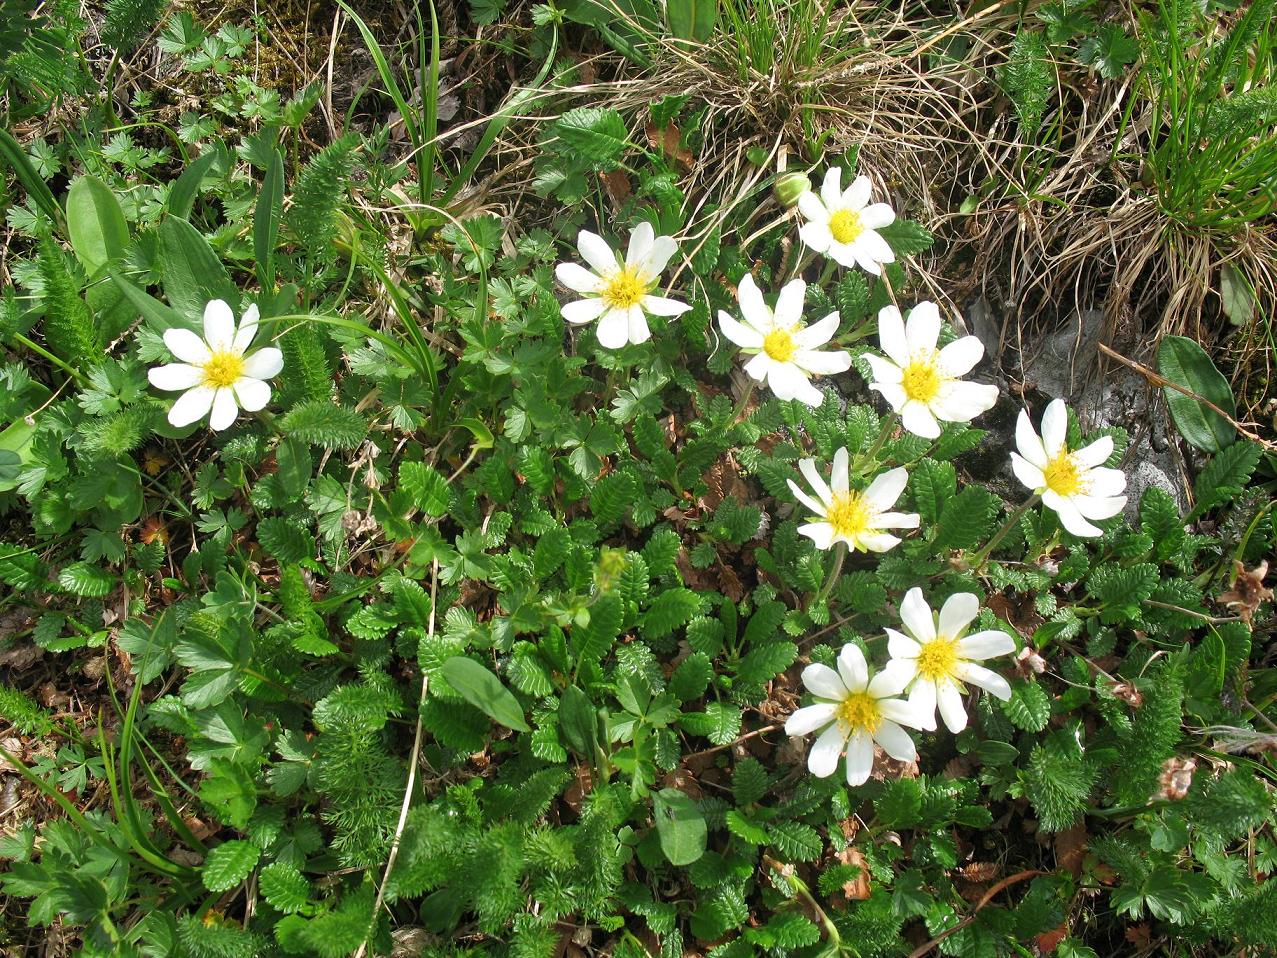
<point>1184,363</point>
<point>485,692</point>
<point>266,219</point>
<point>598,135</point>
<point>578,721</point>
<point>692,19</point>
<point>680,826</point>
<point>99,233</point>
<point>190,271</point>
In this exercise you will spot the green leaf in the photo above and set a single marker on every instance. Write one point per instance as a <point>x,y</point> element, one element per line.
<point>690,680</point>
<point>1236,295</point>
<point>192,274</point>
<point>1225,476</point>
<point>578,721</point>
<point>285,539</point>
<point>229,864</point>
<point>906,238</point>
<point>86,580</point>
<point>1184,363</point>
<point>1029,707</point>
<point>672,608</point>
<point>692,19</point>
<point>95,223</point>
<point>181,195</point>
<point>680,826</point>
<point>1029,78</point>
<point>267,216</point>
<point>427,487</point>
<point>1109,52</point>
<point>284,887</point>
<point>485,692</point>
<point>596,135</point>
<point>593,640</point>
<point>15,157</point>
<point>321,423</point>
<point>293,459</point>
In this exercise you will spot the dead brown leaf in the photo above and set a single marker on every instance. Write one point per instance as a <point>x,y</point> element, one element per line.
<point>858,888</point>
<point>1248,590</point>
<point>667,141</point>
<point>1070,849</point>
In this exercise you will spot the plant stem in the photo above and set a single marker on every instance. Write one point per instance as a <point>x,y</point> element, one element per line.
<point>840,555</point>
<point>740,406</point>
<point>978,559</point>
<point>889,423</point>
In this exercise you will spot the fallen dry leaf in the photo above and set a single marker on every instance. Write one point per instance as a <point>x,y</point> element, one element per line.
<point>858,888</point>
<point>1248,589</point>
<point>667,141</point>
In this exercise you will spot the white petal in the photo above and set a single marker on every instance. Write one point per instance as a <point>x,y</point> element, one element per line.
<point>886,488</point>
<point>577,278</point>
<point>831,188</point>
<point>219,326</point>
<point>845,255</point>
<point>817,334</point>
<point>191,405</point>
<point>814,479</point>
<point>595,251</point>
<point>1028,442</point>
<point>822,363</point>
<point>175,376</point>
<point>857,195</point>
<point>805,392</point>
<point>264,364</point>
<point>957,613</point>
<point>916,616</point>
<point>247,329</point>
<point>788,382</point>
<point>901,647</point>
<point>922,331</point>
<point>860,758</point>
<point>1103,482</point>
<point>884,370</point>
<point>614,329</point>
<point>1096,453</point>
<point>583,310</point>
<point>659,256</point>
<point>1029,474</point>
<point>960,356</point>
<point>895,741</point>
<point>918,419</point>
<point>923,700</point>
<point>816,236</point>
<point>949,699</point>
<point>839,479</point>
<point>986,679</point>
<point>806,500</point>
<point>891,336</point>
<point>789,305</point>
<point>897,520</point>
<point>822,760</point>
<point>186,346</point>
<point>813,209</point>
<point>894,393</point>
<point>902,713</point>
<point>660,306</point>
<point>961,402</point>
<point>1099,507</point>
<point>639,332</point>
<point>877,215</point>
<point>224,410</point>
<point>759,367</point>
<point>852,668</point>
<point>640,245</point>
<point>739,333</point>
<point>252,394</point>
<point>872,249</point>
<point>752,307</point>
<point>821,533</point>
<point>1070,518</point>
<point>1055,426</point>
<point>807,720</point>
<point>986,645</point>
<point>877,542</point>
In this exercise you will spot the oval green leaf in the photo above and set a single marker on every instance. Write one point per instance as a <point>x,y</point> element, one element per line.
<point>95,222</point>
<point>485,692</point>
<point>680,826</point>
<point>1181,361</point>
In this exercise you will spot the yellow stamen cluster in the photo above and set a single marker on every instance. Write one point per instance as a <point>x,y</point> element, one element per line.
<point>780,345</point>
<point>848,514</point>
<point>921,380</point>
<point>1063,476</point>
<point>624,290</point>
<point>938,659</point>
<point>860,711</point>
<point>845,226</point>
<point>223,369</point>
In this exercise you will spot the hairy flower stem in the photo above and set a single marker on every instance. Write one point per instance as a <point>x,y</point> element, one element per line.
<point>889,423</point>
<point>977,560</point>
<point>799,888</point>
<point>740,406</point>
<point>840,555</point>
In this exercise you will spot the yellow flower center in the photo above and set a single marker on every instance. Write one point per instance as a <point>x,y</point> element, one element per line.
<point>780,345</point>
<point>849,515</point>
<point>922,378</point>
<point>624,290</point>
<point>1063,476</point>
<point>860,711</point>
<point>223,369</point>
<point>845,226</point>
<point>938,659</point>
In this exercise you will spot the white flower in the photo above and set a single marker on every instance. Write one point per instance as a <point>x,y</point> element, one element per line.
<point>842,224</point>
<point>1073,483</point>
<point>786,353</point>
<point>922,383</point>
<point>936,657</point>
<point>619,293</point>
<point>858,711</point>
<point>856,518</point>
<point>218,373</point>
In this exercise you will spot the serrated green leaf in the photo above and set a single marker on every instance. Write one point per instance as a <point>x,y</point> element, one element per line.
<point>284,887</point>
<point>321,423</point>
<point>426,486</point>
<point>229,864</point>
<point>1029,707</point>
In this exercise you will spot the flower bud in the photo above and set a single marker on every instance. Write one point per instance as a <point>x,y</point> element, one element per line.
<point>790,186</point>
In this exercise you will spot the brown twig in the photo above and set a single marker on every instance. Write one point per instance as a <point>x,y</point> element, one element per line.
<point>988,897</point>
